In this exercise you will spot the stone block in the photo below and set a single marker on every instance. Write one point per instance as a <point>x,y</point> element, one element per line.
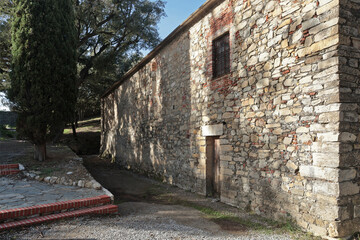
<point>357,211</point>
<point>287,140</point>
<point>329,117</point>
<point>347,137</point>
<point>326,33</point>
<point>317,231</point>
<point>348,188</point>
<point>328,148</point>
<point>327,212</point>
<point>226,148</point>
<point>302,130</point>
<point>326,159</point>
<point>327,7</point>
<point>326,188</point>
<point>326,43</point>
<point>347,175</point>
<point>323,26</point>
<point>263,83</point>
<point>212,130</point>
<point>292,166</point>
<point>310,23</point>
<point>252,61</point>
<point>328,136</point>
<point>329,174</point>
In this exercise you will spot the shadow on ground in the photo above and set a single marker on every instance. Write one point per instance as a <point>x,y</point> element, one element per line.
<point>132,189</point>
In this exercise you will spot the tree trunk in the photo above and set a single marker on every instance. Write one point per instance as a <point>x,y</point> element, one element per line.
<point>57,132</point>
<point>40,152</point>
<point>73,126</point>
<point>76,121</point>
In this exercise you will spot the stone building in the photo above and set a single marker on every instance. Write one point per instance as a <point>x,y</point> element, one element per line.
<point>255,102</point>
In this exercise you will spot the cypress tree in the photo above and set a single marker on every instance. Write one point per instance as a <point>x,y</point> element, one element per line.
<point>43,77</point>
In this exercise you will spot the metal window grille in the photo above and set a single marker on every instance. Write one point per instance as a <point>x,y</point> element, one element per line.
<point>221,56</point>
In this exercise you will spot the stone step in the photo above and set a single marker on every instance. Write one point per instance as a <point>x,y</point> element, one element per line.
<point>16,213</point>
<point>106,209</point>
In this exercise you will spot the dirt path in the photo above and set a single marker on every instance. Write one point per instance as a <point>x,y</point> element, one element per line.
<point>202,213</point>
<point>152,210</point>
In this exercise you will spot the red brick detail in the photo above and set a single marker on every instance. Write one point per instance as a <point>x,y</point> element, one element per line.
<point>285,72</point>
<point>9,166</point>
<point>223,85</point>
<point>53,207</point>
<point>225,19</point>
<point>107,209</point>
<point>8,172</point>
<point>153,66</point>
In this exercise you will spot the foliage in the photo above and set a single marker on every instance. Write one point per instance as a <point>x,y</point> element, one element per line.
<point>5,44</point>
<point>104,76</point>
<point>43,77</point>
<point>110,37</point>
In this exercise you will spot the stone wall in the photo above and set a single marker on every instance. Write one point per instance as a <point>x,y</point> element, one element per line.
<point>8,118</point>
<point>289,110</point>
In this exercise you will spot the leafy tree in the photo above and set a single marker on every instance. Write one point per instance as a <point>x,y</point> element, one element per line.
<point>5,44</point>
<point>111,34</point>
<point>103,77</point>
<point>110,37</point>
<point>43,76</point>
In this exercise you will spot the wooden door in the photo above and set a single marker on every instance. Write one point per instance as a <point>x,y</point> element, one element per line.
<point>213,166</point>
<point>216,168</point>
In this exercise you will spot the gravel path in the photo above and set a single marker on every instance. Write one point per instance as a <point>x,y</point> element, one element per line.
<point>138,221</point>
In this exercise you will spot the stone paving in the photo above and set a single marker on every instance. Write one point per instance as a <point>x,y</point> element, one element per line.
<point>16,193</point>
<point>25,193</point>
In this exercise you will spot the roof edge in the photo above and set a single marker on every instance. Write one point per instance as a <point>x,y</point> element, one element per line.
<point>195,17</point>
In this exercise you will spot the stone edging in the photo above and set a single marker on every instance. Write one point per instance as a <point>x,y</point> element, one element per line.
<point>64,180</point>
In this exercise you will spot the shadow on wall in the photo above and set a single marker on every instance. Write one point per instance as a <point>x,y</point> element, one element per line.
<point>147,119</point>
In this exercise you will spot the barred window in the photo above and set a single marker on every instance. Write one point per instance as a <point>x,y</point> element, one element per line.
<point>221,56</point>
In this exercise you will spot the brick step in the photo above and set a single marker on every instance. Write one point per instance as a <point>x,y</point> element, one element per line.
<point>9,166</point>
<point>6,215</point>
<point>5,172</point>
<point>106,209</point>
<point>9,169</point>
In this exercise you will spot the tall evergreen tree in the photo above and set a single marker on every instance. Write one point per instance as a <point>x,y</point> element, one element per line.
<point>43,77</point>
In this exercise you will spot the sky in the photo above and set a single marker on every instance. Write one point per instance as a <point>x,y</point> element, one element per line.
<point>177,12</point>
<point>2,101</point>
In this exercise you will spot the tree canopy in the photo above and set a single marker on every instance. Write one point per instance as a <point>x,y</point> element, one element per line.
<point>43,76</point>
<point>110,37</point>
<point>5,44</point>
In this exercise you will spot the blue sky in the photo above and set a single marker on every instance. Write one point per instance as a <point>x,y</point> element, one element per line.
<point>177,12</point>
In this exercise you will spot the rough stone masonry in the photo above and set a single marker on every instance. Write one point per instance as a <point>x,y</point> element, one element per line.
<point>287,114</point>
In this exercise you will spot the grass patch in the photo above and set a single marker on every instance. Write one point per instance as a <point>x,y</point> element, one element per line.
<point>44,169</point>
<point>67,131</point>
<point>47,171</point>
<point>253,223</point>
<point>91,120</point>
